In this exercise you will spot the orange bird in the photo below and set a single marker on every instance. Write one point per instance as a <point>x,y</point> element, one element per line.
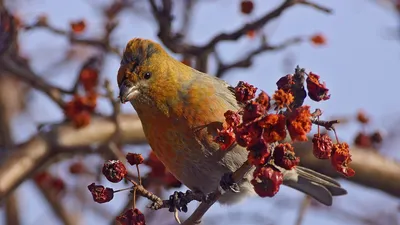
<point>181,109</point>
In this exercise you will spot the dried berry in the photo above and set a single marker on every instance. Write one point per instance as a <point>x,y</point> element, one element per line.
<point>243,136</point>
<point>318,39</point>
<point>225,138</point>
<point>100,193</point>
<point>299,123</point>
<point>253,110</point>
<point>322,146</point>
<point>114,170</point>
<point>274,127</point>
<point>246,6</point>
<point>284,156</point>
<point>267,181</point>
<point>285,83</point>
<point>78,26</point>
<point>79,109</point>
<point>232,118</point>
<point>259,152</point>
<point>89,78</point>
<point>77,168</point>
<point>251,34</point>
<point>282,99</point>
<point>244,91</point>
<point>134,158</point>
<point>363,140</point>
<point>264,100</point>
<point>341,159</point>
<point>376,137</point>
<point>316,90</point>
<point>131,217</point>
<point>362,117</point>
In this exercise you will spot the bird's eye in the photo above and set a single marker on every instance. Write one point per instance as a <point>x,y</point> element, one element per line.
<point>147,75</point>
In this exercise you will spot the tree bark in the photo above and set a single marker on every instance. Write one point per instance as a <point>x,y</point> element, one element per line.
<point>372,170</point>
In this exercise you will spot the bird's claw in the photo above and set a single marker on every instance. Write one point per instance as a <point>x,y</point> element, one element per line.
<point>227,183</point>
<point>178,200</point>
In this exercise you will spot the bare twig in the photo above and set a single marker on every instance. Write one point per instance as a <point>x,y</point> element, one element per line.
<point>247,61</point>
<point>57,206</point>
<point>12,210</point>
<point>187,16</point>
<point>316,6</point>
<point>29,77</point>
<point>303,209</point>
<point>172,41</point>
<point>326,124</point>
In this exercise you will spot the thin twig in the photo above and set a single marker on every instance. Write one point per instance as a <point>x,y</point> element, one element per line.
<point>247,61</point>
<point>316,6</point>
<point>28,76</point>
<point>303,209</point>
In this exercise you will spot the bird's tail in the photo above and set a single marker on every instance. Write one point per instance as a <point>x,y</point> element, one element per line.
<point>312,183</point>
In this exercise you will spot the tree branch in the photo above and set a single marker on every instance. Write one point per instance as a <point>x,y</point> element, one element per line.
<point>27,157</point>
<point>174,43</point>
<point>57,207</point>
<point>28,76</point>
<point>372,169</point>
<point>247,61</point>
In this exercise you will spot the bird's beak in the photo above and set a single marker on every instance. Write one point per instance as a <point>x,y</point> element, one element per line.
<point>127,91</point>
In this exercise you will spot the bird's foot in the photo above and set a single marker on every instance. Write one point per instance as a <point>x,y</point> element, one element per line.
<point>228,184</point>
<point>179,200</point>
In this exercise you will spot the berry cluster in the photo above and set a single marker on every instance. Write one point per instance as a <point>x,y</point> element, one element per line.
<point>81,107</point>
<point>115,171</point>
<point>262,124</point>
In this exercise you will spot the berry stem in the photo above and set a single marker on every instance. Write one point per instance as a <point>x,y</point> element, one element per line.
<point>123,189</point>
<point>138,173</point>
<point>334,131</point>
<point>134,197</point>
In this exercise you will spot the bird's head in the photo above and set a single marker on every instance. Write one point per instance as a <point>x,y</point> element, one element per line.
<point>143,70</point>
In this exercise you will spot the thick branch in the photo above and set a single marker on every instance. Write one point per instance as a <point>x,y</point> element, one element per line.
<point>12,215</point>
<point>372,169</point>
<point>29,156</point>
<point>57,207</point>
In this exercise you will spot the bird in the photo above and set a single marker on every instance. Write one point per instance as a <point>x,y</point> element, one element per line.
<point>181,110</point>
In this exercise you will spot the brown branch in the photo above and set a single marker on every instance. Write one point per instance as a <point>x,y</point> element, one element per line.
<point>173,42</point>
<point>187,16</point>
<point>103,43</point>
<point>27,157</point>
<point>12,211</point>
<point>57,207</point>
<point>28,76</point>
<point>247,61</point>
<point>316,6</point>
<point>303,209</point>
<point>372,169</point>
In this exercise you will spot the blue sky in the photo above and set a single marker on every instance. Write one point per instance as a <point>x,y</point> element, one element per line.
<point>359,65</point>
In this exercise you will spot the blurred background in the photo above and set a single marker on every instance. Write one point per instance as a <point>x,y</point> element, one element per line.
<point>60,116</point>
